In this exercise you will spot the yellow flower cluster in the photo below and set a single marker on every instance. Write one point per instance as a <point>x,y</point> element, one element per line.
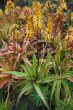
<point>48,31</point>
<point>9,6</point>
<point>29,29</point>
<point>35,19</point>
<point>37,15</point>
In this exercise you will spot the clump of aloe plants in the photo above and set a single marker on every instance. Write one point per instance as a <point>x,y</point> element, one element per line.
<point>36,53</point>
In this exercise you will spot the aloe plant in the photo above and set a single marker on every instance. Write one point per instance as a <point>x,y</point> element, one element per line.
<point>37,74</point>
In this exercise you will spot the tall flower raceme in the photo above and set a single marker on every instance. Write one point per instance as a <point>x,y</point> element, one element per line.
<point>58,19</point>
<point>37,15</point>
<point>47,34</point>
<point>9,6</point>
<point>29,33</point>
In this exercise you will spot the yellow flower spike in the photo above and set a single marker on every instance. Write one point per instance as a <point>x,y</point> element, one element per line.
<point>36,6</point>
<point>50,25</point>
<point>29,30</point>
<point>48,31</point>
<point>9,6</point>
<point>37,15</point>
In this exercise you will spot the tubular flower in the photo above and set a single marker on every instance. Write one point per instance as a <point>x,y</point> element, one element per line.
<point>37,15</point>
<point>48,31</point>
<point>9,6</point>
<point>1,13</point>
<point>29,30</point>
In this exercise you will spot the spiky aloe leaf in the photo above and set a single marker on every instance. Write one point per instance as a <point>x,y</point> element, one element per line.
<point>57,92</point>
<point>16,73</point>
<point>41,95</point>
<point>34,63</point>
<point>53,78</point>
<point>53,90</point>
<point>29,69</point>
<point>66,88</point>
<point>26,88</point>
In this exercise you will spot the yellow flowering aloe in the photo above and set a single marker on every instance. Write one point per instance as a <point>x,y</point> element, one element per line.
<point>9,6</point>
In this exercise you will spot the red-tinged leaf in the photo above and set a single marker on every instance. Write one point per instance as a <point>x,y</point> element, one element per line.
<point>9,84</point>
<point>27,61</point>
<point>70,79</point>
<point>25,44</point>
<point>3,82</point>
<point>15,77</point>
<point>4,76</point>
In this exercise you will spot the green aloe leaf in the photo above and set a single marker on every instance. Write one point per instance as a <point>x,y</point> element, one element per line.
<point>53,78</point>
<point>34,63</point>
<point>66,88</point>
<point>41,95</point>
<point>26,88</point>
<point>29,69</point>
<point>24,68</point>
<point>53,89</point>
<point>18,74</point>
<point>57,92</point>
